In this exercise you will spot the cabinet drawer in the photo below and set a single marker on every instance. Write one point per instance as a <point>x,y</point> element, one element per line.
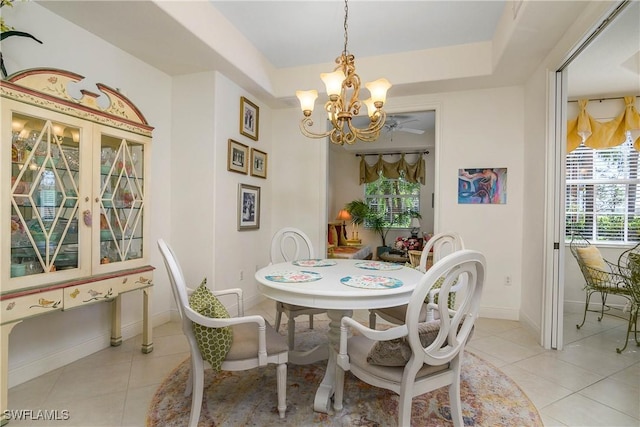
<point>31,305</point>
<point>103,290</point>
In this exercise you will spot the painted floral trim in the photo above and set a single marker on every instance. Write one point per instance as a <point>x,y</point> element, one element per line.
<point>44,303</point>
<point>95,295</point>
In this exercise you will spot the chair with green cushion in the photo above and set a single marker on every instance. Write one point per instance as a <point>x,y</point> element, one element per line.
<point>438,246</point>
<point>629,267</point>
<point>432,351</point>
<point>600,275</point>
<point>253,342</point>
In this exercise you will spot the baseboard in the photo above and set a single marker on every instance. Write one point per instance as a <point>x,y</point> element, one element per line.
<point>531,326</point>
<point>31,370</point>
<point>500,313</point>
<point>578,306</point>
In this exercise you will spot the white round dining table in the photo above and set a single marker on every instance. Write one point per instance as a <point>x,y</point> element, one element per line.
<point>339,286</point>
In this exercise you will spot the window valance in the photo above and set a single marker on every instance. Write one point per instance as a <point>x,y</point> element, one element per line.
<point>412,172</point>
<point>597,134</point>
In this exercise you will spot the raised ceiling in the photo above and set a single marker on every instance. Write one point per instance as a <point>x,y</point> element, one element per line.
<point>298,33</point>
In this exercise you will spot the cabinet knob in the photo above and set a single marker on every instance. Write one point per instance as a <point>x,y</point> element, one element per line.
<point>86,199</point>
<point>97,200</point>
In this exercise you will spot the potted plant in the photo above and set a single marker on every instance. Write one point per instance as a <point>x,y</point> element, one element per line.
<point>361,213</point>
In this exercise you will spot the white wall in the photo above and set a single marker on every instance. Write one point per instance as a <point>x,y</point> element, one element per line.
<point>482,128</point>
<point>50,341</point>
<point>485,128</point>
<point>239,252</point>
<point>298,174</point>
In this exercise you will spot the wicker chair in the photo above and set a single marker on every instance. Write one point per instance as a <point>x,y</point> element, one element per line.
<point>599,274</point>
<point>629,267</point>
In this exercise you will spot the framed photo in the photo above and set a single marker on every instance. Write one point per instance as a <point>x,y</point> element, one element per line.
<point>238,157</point>
<point>249,118</point>
<point>258,163</point>
<point>248,207</point>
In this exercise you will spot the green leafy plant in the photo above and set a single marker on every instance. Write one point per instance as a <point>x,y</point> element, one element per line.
<point>7,31</point>
<point>361,213</point>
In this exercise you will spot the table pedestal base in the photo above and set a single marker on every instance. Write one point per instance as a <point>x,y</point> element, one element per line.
<point>322,401</point>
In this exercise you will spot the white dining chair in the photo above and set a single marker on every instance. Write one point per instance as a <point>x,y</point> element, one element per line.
<point>438,246</point>
<point>433,351</point>
<point>254,342</point>
<point>291,244</point>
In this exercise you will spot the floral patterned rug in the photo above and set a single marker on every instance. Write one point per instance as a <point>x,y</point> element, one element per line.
<point>248,398</point>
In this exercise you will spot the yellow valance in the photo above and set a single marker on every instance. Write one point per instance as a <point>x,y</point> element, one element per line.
<point>596,134</point>
<point>412,172</point>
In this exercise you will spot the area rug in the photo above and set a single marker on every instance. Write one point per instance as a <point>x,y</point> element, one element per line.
<point>248,398</point>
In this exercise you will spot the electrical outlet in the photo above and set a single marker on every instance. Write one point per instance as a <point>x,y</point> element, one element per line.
<point>241,275</point>
<point>507,281</point>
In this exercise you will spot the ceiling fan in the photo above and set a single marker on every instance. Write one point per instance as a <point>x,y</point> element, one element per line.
<point>393,125</point>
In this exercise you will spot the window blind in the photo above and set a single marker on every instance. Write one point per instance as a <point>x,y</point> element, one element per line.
<point>601,201</point>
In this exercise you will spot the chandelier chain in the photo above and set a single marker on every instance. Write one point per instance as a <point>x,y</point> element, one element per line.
<point>346,35</point>
<point>343,88</point>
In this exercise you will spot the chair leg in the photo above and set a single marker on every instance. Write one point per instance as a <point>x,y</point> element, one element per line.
<point>278,315</point>
<point>338,391</point>
<point>633,319</point>
<point>281,374</point>
<point>404,408</point>
<point>586,306</point>
<point>372,319</point>
<point>603,296</point>
<point>455,403</point>
<point>196,399</point>
<point>454,394</point>
<point>292,331</point>
<point>311,321</point>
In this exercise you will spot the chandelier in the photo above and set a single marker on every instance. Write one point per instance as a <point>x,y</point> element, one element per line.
<point>343,88</point>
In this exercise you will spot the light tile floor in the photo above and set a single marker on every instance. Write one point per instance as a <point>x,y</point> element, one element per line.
<point>586,384</point>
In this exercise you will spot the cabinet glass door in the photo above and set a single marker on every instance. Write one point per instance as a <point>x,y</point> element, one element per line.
<point>122,199</point>
<point>45,182</point>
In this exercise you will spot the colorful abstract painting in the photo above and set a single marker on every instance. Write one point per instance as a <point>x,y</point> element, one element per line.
<point>482,186</point>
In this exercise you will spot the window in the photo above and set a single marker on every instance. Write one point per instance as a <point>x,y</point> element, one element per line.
<point>601,200</point>
<point>390,198</point>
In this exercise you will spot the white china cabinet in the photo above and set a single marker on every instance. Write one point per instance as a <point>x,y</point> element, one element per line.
<point>73,201</point>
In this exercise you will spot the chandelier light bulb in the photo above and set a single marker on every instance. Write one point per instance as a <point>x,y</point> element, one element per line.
<point>378,90</point>
<point>333,83</point>
<point>371,108</point>
<point>307,100</point>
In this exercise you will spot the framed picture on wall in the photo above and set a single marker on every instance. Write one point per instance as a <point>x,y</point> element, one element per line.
<point>248,207</point>
<point>238,157</point>
<point>482,186</point>
<point>258,163</point>
<point>249,118</point>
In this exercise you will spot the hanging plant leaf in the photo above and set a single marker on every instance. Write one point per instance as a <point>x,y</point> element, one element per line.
<point>6,34</point>
<point>10,33</point>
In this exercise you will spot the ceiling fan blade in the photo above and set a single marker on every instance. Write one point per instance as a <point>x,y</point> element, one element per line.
<point>416,131</point>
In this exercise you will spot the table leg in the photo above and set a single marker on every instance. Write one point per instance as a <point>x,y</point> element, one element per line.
<point>147,327</point>
<point>116,326</point>
<point>322,402</point>
<point>4,371</point>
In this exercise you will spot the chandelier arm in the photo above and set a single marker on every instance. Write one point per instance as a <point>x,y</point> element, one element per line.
<point>305,126</point>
